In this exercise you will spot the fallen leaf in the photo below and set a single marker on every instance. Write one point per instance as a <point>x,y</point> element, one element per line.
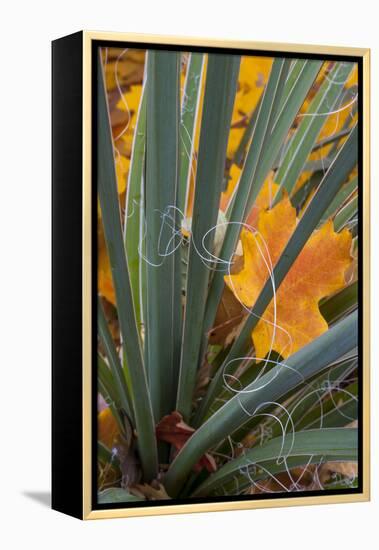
<point>202,380</point>
<point>108,434</point>
<point>129,465</point>
<point>128,66</point>
<point>104,273</point>
<point>107,429</point>
<point>253,75</point>
<point>345,469</point>
<point>122,445</point>
<point>172,429</point>
<point>230,310</point>
<point>228,315</point>
<point>130,100</point>
<point>233,178</point>
<point>122,168</point>
<point>318,271</point>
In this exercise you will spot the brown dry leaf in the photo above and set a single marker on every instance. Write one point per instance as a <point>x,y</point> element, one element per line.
<point>109,434</point>
<point>347,469</point>
<point>228,317</point>
<point>129,465</point>
<point>172,429</point>
<point>202,380</point>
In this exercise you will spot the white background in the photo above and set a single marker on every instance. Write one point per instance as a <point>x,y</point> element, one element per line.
<point>26,31</point>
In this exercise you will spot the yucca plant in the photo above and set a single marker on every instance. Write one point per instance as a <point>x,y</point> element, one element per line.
<point>227,352</point>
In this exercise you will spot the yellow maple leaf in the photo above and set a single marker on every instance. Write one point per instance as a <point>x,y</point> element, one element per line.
<point>234,176</point>
<point>107,428</point>
<point>130,100</point>
<point>104,272</point>
<point>252,78</point>
<point>122,169</point>
<point>293,319</point>
<point>123,132</point>
<point>109,435</point>
<point>127,65</point>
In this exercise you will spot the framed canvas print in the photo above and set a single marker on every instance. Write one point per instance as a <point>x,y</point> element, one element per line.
<point>210,275</point>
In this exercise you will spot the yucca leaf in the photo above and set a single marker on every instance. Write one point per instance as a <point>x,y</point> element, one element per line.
<point>163,322</point>
<point>345,191</point>
<point>114,362</point>
<point>295,71</point>
<point>111,218</point>
<point>300,448</point>
<point>188,116</point>
<point>322,395</point>
<point>308,361</point>
<point>220,89</point>
<point>319,165</point>
<point>299,198</point>
<point>348,211</point>
<point>105,375</point>
<point>247,135</point>
<point>334,307</point>
<point>263,151</point>
<point>305,137</point>
<point>133,228</point>
<point>331,139</point>
<point>116,495</point>
<point>250,478</point>
<point>250,374</point>
<point>105,455</point>
<point>286,116</point>
<point>273,105</point>
<point>339,412</point>
<point>329,186</point>
<point>317,397</point>
<point>108,389</point>
<point>294,406</point>
<point>247,184</point>
<point>350,95</point>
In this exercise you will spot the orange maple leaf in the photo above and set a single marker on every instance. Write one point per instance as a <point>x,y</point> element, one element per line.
<point>318,272</point>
